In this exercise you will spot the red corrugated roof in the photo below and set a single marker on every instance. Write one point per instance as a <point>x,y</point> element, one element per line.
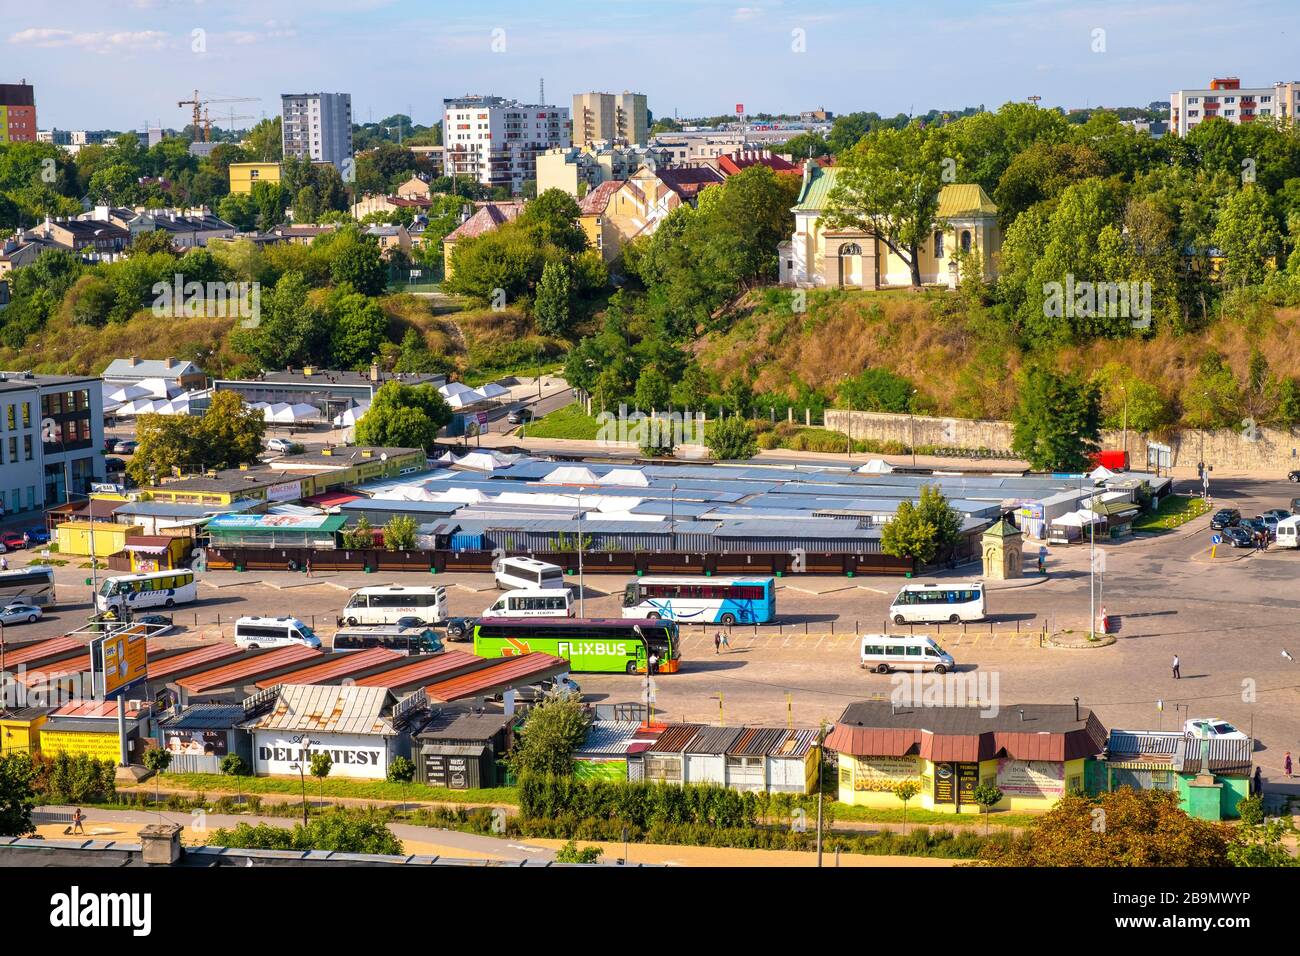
<point>247,669</point>
<point>94,708</point>
<point>39,675</point>
<point>504,673</point>
<point>675,737</point>
<point>336,667</point>
<point>52,649</point>
<point>420,672</point>
<point>485,220</point>
<point>594,203</point>
<point>329,499</point>
<point>199,655</point>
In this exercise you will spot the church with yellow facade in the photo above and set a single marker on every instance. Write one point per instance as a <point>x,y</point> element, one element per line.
<point>818,255</point>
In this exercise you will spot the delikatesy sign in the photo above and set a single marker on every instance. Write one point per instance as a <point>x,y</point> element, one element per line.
<point>354,755</point>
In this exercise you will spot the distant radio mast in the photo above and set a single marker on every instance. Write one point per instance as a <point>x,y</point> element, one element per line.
<point>541,92</point>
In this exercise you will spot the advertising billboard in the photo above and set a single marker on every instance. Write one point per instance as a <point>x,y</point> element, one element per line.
<point>883,773</point>
<point>119,660</point>
<point>198,743</point>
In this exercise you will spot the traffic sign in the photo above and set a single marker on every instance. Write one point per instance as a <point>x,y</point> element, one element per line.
<point>1216,539</point>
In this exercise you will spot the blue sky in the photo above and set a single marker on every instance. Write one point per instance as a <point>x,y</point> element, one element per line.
<point>123,63</point>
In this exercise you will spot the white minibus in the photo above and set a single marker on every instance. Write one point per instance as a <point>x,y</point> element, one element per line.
<point>533,602</point>
<point>149,589</point>
<point>273,632</point>
<point>528,573</point>
<point>386,604</point>
<point>949,601</point>
<point>883,653</point>
<point>1288,532</point>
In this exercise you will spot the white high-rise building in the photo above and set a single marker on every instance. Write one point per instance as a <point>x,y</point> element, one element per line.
<point>1226,98</point>
<point>496,141</point>
<point>317,126</point>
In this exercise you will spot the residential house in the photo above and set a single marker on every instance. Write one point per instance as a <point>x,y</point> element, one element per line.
<point>390,238</point>
<point>181,375</point>
<point>729,164</point>
<point>298,234</point>
<point>615,213</point>
<point>88,238</point>
<point>375,202</point>
<point>822,255</point>
<point>577,170</point>
<point>488,217</point>
<point>244,176</point>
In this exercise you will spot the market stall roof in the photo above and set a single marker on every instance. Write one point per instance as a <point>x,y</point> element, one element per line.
<point>337,667</point>
<point>331,499</point>
<point>421,670</point>
<point>454,725</point>
<point>276,524</point>
<point>204,717</point>
<point>613,737</point>
<point>148,543</point>
<point>164,667</point>
<point>42,652</point>
<point>509,673</point>
<point>328,709</point>
<point>40,674</point>
<point>570,475</point>
<point>248,668</point>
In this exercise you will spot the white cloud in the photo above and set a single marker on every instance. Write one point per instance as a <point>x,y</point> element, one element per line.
<point>119,42</point>
<point>742,14</point>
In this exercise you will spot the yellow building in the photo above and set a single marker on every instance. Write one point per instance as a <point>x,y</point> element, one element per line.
<point>488,217</point>
<point>75,537</point>
<point>244,176</point>
<point>20,730</point>
<point>1033,753</point>
<point>820,255</point>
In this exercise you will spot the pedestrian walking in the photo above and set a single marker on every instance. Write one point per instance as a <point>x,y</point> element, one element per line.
<point>1177,672</point>
<point>717,641</point>
<point>4,563</point>
<point>1259,780</point>
<point>725,643</point>
<point>77,818</point>
<point>1286,764</point>
<point>27,539</point>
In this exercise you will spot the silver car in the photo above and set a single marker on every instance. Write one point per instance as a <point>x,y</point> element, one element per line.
<point>19,614</point>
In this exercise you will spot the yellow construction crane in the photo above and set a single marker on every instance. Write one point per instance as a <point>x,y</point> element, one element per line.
<point>199,105</point>
<point>230,118</point>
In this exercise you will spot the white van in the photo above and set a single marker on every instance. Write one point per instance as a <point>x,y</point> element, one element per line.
<point>389,603</point>
<point>946,602</point>
<point>1288,532</point>
<point>529,573</point>
<point>273,632</point>
<point>883,653</point>
<point>533,602</point>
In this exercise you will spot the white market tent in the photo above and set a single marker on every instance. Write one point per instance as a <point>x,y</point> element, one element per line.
<point>570,475</point>
<point>493,390</point>
<point>1101,473</point>
<point>625,477</point>
<point>158,388</point>
<point>298,412</point>
<point>483,460</point>
<point>350,417</point>
<point>461,399</point>
<point>877,466</point>
<point>454,388</point>
<point>122,394</point>
<point>269,412</point>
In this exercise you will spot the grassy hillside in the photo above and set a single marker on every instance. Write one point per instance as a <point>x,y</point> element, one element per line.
<point>963,363</point>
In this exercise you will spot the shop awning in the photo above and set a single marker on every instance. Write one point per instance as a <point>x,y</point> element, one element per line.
<point>147,548</point>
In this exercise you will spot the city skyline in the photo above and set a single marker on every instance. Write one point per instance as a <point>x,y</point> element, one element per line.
<point>397,56</point>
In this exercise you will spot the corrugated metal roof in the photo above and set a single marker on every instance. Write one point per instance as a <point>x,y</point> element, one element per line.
<point>1228,755</point>
<point>609,737</point>
<point>336,667</point>
<point>205,717</point>
<point>33,654</point>
<point>1127,743</point>
<point>758,741</point>
<point>796,744</point>
<point>248,669</point>
<point>500,675</point>
<point>166,666</point>
<point>95,708</point>
<point>328,709</point>
<point>41,673</point>
<point>675,737</point>
<point>713,740</point>
<point>423,670</point>
<point>464,726</point>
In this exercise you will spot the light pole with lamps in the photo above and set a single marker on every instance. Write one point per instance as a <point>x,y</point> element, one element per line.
<point>581,579</point>
<point>911,426</point>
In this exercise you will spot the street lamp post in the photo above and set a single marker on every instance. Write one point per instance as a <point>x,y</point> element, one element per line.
<point>302,775</point>
<point>911,429</point>
<point>1124,390</point>
<point>582,587</point>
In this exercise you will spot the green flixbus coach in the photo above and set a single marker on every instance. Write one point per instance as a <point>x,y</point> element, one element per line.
<point>592,646</point>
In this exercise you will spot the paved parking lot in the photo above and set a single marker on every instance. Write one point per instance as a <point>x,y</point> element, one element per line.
<point>1228,619</point>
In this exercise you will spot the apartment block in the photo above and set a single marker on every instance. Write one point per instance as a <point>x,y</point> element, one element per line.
<point>1226,98</point>
<point>317,126</point>
<point>51,433</point>
<point>610,118</point>
<point>578,170</point>
<point>17,113</point>
<point>496,141</point>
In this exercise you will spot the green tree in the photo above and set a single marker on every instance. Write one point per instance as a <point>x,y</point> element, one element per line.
<point>889,185</point>
<point>553,306</point>
<point>905,790</point>
<point>1123,828</point>
<point>569,853</point>
<point>291,330</point>
<point>91,300</point>
<point>342,831</point>
<point>321,765</point>
<point>403,416</point>
<point>230,433</point>
<point>910,535</point>
<point>551,732</point>
<point>877,390</point>
<point>17,796</point>
<point>1057,423</point>
<point>1263,843</point>
<point>359,264</point>
<point>692,389</point>
<point>1248,236</point>
<point>147,243</point>
<point>401,770</point>
<point>414,355</point>
<point>1212,397</point>
<point>360,328</point>
<point>987,795</point>
<point>730,439</point>
<point>399,533</point>
<point>933,508</point>
<point>157,760</point>
<point>652,390</point>
<point>552,219</point>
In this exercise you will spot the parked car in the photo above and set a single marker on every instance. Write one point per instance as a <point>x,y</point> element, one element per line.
<point>1255,525</point>
<point>1238,536</point>
<point>19,614</point>
<point>114,466</point>
<point>1267,522</point>
<point>1293,475</point>
<point>1225,518</point>
<point>38,536</point>
<point>459,628</point>
<point>126,446</point>
<point>158,623</point>
<point>282,445</point>
<point>520,416</point>
<point>1212,727</point>
<point>1277,514</point>
<point>11,541</point>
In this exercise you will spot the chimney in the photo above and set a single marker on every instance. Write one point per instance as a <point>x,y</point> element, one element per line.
<point>169,362</point>
<point>160,843</point>
<point>374,371</point>
<point>132,361</point>
<point>307,370</point>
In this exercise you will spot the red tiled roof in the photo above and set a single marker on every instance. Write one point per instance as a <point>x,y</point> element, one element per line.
<point>501,674</point>
<point>417,673</point>
<point>39,675</point>
<point>329,499</point>
<point>595,202</point>
<point>335,667</point>
<point>41,651</point>
<point>94,708</point>
<point>247,669</point>
<point>735,162</point>
<point>166,666</point>
<point>687,181</point>
<point>486,220</point>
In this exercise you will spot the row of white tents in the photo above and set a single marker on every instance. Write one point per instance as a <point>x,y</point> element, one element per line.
<point>459,395</point>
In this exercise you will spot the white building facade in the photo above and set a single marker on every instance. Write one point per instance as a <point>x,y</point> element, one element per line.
<point>496,141</point>
<point>317,127</point>
<point>1226,98</point>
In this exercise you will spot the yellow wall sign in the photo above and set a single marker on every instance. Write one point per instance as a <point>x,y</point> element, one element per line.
<point>125,659</point>
<point>99,746</point>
